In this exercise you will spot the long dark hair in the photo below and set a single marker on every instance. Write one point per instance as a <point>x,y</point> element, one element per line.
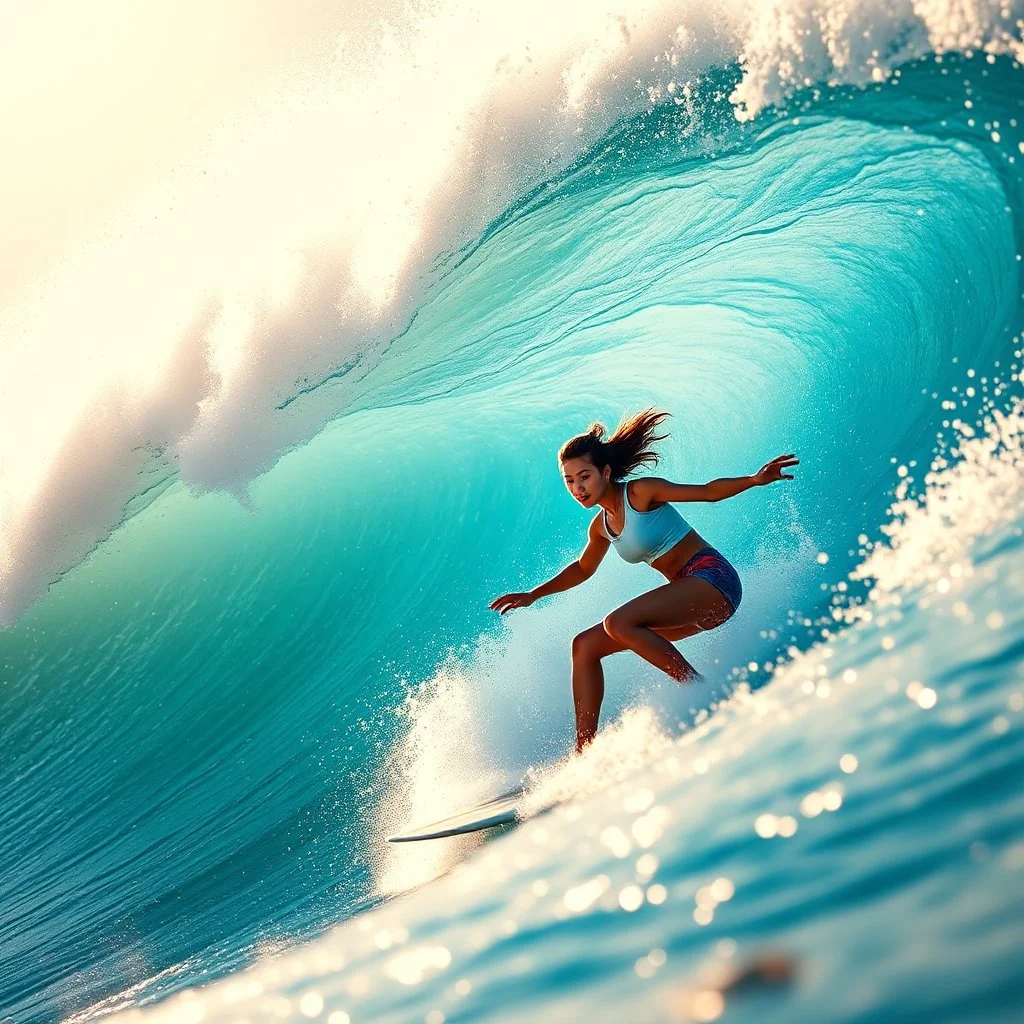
<point>629,447</point>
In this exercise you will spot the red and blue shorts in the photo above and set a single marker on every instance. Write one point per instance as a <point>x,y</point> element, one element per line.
<point>711,566</point>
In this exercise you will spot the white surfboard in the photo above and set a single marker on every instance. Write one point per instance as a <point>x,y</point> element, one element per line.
<point>502,810</point>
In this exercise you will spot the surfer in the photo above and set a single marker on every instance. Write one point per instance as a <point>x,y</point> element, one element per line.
<point>636,517</point>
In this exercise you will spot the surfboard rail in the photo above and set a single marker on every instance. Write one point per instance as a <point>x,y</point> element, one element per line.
<point>500,810</point>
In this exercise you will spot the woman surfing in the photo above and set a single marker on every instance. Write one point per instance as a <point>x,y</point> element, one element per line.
<point>703,589</point>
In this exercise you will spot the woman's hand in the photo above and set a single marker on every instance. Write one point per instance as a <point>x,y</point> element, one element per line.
<point>507,602</point>
<point>772,471</point>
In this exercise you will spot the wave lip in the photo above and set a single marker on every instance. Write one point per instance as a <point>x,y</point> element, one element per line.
<point>291,251</point>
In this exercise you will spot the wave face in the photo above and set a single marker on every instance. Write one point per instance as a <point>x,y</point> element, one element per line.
<point>273,538</point>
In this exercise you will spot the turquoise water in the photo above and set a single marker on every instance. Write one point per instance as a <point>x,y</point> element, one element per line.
<point>212,721</point>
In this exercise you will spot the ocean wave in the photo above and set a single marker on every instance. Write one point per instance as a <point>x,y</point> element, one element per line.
<point>274,657</point>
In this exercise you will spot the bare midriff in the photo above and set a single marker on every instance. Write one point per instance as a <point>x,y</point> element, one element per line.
<point>677,556</point>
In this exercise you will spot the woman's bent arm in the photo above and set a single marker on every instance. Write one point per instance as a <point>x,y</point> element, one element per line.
<point>571,576</point>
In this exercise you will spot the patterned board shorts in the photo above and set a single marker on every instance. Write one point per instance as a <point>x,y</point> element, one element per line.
<point>710,565</point>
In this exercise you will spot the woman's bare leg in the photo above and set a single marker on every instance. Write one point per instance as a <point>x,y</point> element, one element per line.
<point>640,624</point>
<point>588,648</point>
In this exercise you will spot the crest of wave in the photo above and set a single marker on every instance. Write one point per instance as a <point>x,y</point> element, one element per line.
<point>979,487</point>
<point>230,309</point>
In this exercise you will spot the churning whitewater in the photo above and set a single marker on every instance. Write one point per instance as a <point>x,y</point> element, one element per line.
<point>274,436</point>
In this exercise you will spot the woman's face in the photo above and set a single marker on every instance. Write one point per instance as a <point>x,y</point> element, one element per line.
<point>586,483</point>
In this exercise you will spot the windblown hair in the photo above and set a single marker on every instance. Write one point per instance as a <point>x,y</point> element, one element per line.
<point>629,447</point>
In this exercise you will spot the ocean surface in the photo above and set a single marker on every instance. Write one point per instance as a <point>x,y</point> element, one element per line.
<point>275,437</point>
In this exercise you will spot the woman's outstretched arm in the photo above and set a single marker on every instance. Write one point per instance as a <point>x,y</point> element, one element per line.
<point>655,488</point>
<point>571,576</point>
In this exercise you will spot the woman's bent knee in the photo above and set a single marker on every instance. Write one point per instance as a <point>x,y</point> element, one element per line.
<point>591,643</point>
<point>582,644</point>
<point>614,625</point>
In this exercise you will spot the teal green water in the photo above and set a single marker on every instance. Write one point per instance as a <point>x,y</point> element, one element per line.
<point>204,722</point>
